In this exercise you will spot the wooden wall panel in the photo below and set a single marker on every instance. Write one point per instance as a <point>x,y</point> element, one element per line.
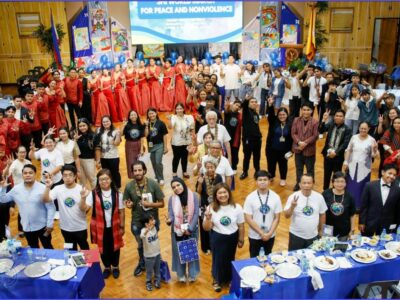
<point>351,49</point>
<point>17,55</point>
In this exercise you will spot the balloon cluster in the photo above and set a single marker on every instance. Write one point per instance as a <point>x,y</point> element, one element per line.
<point>275,59</point>
<point>104,64</point>
<point>322,62</point>
<point>378,68</point>
<point>253,62</point>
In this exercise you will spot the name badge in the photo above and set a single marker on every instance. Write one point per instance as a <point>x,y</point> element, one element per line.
<point>150,144</point>
<point>282,139</point>
<point>327,230</point>
<point>264,228</point>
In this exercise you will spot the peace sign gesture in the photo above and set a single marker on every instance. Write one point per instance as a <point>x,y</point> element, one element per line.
<point>31,114</point>
<point>77,136</point>
<point>294,202</point>
<point>325,117</point>
<point>84,192</point>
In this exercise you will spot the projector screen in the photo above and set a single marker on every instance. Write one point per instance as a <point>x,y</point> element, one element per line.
<point>169,22</point>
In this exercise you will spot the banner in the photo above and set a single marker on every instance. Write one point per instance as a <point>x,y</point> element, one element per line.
<point>251,40</point>
<point>153,50</point>
<point>99,27</point>
<point>120,41</point>
<point>218,48</point>
<point>81,45</point>
<point>269,29</point>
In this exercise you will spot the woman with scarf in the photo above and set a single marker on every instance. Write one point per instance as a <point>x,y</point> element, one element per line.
<point>107,225</point>
<point>183,214</point>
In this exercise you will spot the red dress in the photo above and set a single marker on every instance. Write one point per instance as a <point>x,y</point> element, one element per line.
<point>168,93</point>
<point>16,128</point>
<point>56,113</point>
<point>180,87</point>
<point>106,91</point>
<point>155,87</point>
<point>60,92</point>
<point>3,135</point>
<point>144,89</point>
<point>94,92</point>
<point>102,105</point>
<point>121,97</point>
<point>132,89</point>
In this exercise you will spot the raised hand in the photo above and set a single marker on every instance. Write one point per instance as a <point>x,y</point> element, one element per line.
<point>294,202</point>
<point>270,101</point>
<point>84,193</point>
<point>24,119</point>
<point>325,117</point>
<point>48,181</point>
<point>77,136</point>
<point>32,145</point>
<point>129,203</point>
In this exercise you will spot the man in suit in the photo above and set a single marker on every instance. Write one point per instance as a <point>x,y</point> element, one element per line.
<point>380,203</point>
<point>336,142</point>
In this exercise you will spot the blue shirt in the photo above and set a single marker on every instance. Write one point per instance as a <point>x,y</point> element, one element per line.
<point>368,113</point>
<point>35,214</point>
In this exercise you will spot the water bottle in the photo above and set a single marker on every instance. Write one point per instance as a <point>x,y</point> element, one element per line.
<point>383,237</point>
<point>398,234</point>
<point>66,257</point>
<point>261,254</point>
<point>29,251</point>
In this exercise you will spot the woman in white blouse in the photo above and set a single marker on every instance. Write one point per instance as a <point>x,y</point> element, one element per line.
<point>249,77</point>
<point>182,127</point>
<point>225,220</point>
<point>69,149</point>
<point>352,110</point>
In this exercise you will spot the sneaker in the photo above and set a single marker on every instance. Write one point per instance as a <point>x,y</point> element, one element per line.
<point>217,287</point>
<point>115,272</point>
<point>157,284</point>
<point>162,182</point>
<point>106,273</point>
<point>149,286</point>
<point>138,270</point>
<point>57,216</point>
<point>282,182</point>
<point>182,279</point>
<point>192,279</point>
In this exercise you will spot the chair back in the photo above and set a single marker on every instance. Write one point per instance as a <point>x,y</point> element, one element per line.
<point>378,289</point>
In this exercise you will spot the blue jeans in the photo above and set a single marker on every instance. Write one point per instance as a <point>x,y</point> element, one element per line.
<point>229,92</point>
<point>245,90</point>
<point>352,124</point>
<point>277,102</point>
<point>153,266</point>
<point>136,233</point>
<point>156,155</point>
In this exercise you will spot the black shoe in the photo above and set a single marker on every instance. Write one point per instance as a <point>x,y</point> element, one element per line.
<point>157,284</point>
<point>115,272</point>
<point>296,188</point>
<point>138,270</point>
<point>149,286</point>
<point>106,273</point>
<point>217,287</point>
<point>244,175</point>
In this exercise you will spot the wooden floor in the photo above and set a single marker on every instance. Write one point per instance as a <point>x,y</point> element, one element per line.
<point>128,286</point>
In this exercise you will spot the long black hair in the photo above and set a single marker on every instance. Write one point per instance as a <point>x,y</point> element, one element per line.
<point>102,129</point>
<point>86,121</point>
<point>138,121</point>
<point>184,195</point>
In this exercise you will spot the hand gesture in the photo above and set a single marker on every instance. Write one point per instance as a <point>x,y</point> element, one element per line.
<point>208,214</point>
<point>200,179</point>
<point>168,220</point>
<point>10,159</point>
<point>129,203</point>
<point>294,202</point>
<point>24,119</point>
<point>345,167</point>
<point>48,181</point>
<point>364,82</point>
<point>32,145</point>
<point>169,117</point>
<point>84,193</point>
<point>31,114</point>
<point>270,101</point>
<point>340,99</point>
<point>325,117</point>
<point>380,119</point>
<point>52,130</point>
<point>77,136</point>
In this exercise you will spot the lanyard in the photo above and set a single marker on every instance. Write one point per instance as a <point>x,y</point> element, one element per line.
<point>264,209</point>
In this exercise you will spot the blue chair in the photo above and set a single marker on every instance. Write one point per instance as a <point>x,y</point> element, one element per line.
<point>375,290</point>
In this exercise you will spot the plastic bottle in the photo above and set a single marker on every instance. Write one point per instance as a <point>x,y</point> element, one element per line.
<point>29,251</point>
<point>398,234</point>
<point>66,256</point>
<point>383,237</point>
<point>261,254</point>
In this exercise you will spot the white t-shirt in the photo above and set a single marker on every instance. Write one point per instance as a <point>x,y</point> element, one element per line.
<point>224,168</point>
<point>49,161</point>
<point>108,149</point>
<point>302,225</point>
<point>71,217</point>
<point>68,150</point>
<point>181,133</point>
<point>223,135</point>
<point>352,110</point>
<point>216,69</point>
<point>295,88</point>
<point>277,81</point>
<point>231,77</point>
<point>312,83</point>
<point>252,206</point>
<point>107,202</point>
<point>16,170</point>
<point>227,218</point>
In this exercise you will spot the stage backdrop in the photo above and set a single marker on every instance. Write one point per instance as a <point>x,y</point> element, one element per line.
<point>158,22</point>
<point>82,46</point>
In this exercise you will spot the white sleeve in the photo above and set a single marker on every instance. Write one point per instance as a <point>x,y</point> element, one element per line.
<point>225,135</point>
<point>309,81</point>
<point>89,200</point>
<point>322,208</point>
<point>228,169</point>
<point>59,160</point>
<point>38,154</point>
<point>53,193</point>
<point>173,121</point>
<point>289,202</point>
<point>200,134</point>
<point>121,204</point>
<point>240,215</point>
<point>278,205</point>
<point>247,209</point>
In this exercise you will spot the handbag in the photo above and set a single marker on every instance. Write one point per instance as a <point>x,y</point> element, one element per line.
<point>187,250</point>
<point>164,271</point>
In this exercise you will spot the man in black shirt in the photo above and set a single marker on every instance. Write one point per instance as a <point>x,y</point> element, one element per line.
<point>332,102</point>
<point>233,124</point>
<point>251,136</point>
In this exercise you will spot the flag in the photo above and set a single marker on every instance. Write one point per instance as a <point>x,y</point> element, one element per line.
<point>56,48</point>
<point>310,46</point>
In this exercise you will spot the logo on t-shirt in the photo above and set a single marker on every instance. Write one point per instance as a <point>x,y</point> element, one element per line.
<point>233,122</point>
<point>225,221</point>
<point>107,205</point>
<point>154,132</point>
<point>69,202</point>
<point>46,163</point>
<point>308,210</point>
<point>134,133</point>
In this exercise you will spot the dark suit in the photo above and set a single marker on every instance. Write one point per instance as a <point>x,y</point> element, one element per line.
<point>373,214</point>
<point>23,112</point>
<point>332,165</point>
<point>25,138</point>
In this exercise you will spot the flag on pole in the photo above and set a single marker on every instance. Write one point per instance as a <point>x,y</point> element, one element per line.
<point>56,48</point>
<point>310,46</point>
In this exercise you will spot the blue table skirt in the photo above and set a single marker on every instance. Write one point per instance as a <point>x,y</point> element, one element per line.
<point>87,283</point>
<point>337,284</point>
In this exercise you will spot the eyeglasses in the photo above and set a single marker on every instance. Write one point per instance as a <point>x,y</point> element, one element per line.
<point>215,148</point>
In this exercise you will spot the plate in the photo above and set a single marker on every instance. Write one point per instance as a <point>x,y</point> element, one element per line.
<point>37,269</point>
<point>288,271</point>
<point>363,256</point>
<point>291,259</point>
<point>277,258</point>
<point>394,246</point>
<point>252,274</point>
<point>387,254</point>
<point>365,239</point>
<point>326,263</point>
<point>5,265</point>
<point>62,273</point>
<point>388,237</point>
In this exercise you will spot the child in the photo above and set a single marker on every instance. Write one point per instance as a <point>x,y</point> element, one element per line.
<point>151,249</point>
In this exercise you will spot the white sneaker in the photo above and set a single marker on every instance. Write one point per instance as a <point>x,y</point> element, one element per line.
<point>321,136</point>
<point>162,182</point>
<point>57,216</point>
<point>182,279</point>
<point>282,183</point>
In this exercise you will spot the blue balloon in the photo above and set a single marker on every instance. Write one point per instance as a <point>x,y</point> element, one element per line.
<point>276,63</point>
<point>207,55</point>
<point>110,65</point>
<point>173,61</point>
<point>204,61</point>
<point>255,62</point>
<point>273,56</point>
<point>121,59</point>
<point>89,69</point>
<point>104,59</point>
<point>139,55</point>
<point>187,61</point>
<point>158,63</point>
<point>174,55</point>
<point>237,62</point>
<point>245,62</point>
<point>103,66</point>
<point>225,61</point>
<point>225,55</point>
<point>146,61</point>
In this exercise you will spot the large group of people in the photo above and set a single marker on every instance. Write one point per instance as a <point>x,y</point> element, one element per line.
<point>212,113</point>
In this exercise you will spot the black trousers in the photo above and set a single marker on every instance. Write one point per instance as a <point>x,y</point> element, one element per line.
<point>86,109</point>
<point>72,110</point>
<point>235,156</point>
<point>296,243</point>
<point>76,238</point>
<point>109,256</point>
<point>4,219</point>
<point>251,147</point>
<point>33,237</point>
<point>204,237</point>
<point>263,101</point>
<point>301,161</point>
<point>113,165</point>
<point>255,246</point>
<point>294,107</point>
<point>45,127</point>
<point>277,157</point>
<point>180,153</point>
<point>37,138</point>
<point>331,165</point>
<point>26,141</point>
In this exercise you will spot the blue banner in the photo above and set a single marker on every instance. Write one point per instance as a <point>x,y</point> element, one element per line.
<point>81,43</point>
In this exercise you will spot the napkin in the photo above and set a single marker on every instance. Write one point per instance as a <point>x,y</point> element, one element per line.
<point>316,279</point>
<point>255,286</point>
<point>344,263</point>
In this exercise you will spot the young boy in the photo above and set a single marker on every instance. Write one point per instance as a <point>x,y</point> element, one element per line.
<point>151,251</point>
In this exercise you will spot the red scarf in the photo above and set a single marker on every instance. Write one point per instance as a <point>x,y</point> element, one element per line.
<point>98,222</point>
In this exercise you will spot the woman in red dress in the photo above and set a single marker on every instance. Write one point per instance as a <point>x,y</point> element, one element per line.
<point>121,97</point>
<point>94,91</point>
<point>56,114</point>
<point>168,87</point>
<point>144,89</point>
<point>180,86</point>
<point>131,85</point>
<point>105,89</point>
<point>153,74</point>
